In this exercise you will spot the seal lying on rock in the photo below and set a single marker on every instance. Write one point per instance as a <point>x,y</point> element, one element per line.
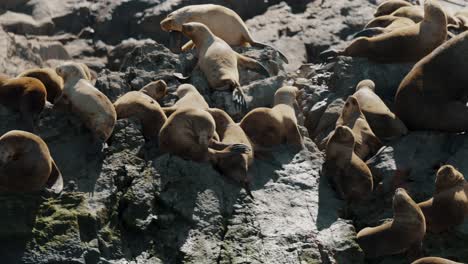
<point>434,260</point>
<point>26,164</point>
<point>449,206</point>
<point>52,82</point>
<point>222,21</point>
<point>388,7</point>
<point>219,62</point>
<point>189,97</point>
<point>405,232</point>
<point>156,90</point>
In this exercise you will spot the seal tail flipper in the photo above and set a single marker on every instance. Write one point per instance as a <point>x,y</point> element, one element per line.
<point>252,65</point>
<point>55,181</point>
<point>370,32</point>
<point>262,45</point>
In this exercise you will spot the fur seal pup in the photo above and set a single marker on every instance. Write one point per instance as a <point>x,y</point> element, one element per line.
<point>222,21</point>
<point>405,232</point>
<point>388,7</point>
<point>433,94</point>
<point>26,164</point>
<point>93,107</point>
<point>156,89</point>
<point>449,206</point>
<point>406,44</point>
<point>144,108</point>
<point>348,173</point>
<point>52,82</point>
<point>383,122</point>
<point>269,127</point>
<point>219,62</point>
<point>237,166</point>
<point>24,94</point>
<point>366,143</point>
<point>434,260</point>
<point>188,133</point>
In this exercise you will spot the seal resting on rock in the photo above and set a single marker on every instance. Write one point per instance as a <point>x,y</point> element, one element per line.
<point>156,89</point>
<point>405,232</point>
<point>222,21</point>
<point>388,7</point>
<point>93,107</point>
<point>434,260</point>
<point>52,82</point>
<point>449,206</point>
<point>189,97</point>
<point>148,111</point>
<point>219,62</point>
<point>349,174</point>
<point>26,164</point>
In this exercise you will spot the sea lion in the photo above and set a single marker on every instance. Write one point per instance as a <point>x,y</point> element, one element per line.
<point>433,94</point>
<point>383,122</point>
<point>366,143</point>
<point>434,260</point>
<point>90,75</point>
<point>188,133</point>
<point>237,166</point>
<point>93,107</point>
<point>269,127</point>
<point>406,44</point>
<point>388,7</point>
<point>144,108</point>
<point>26,164</point>
<point>222,21</point>
<point>52,82</point>
<point>219,62</point>
<point>405,232</point>
<point>449,206</point>
<point>189,97</point>
<point>156,89</point>
<point>24,94</point>
<point>414,13</point>
<point>348,173</point>
<point>389,22</point>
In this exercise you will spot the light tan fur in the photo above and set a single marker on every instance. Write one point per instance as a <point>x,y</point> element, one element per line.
<point>388,7</point>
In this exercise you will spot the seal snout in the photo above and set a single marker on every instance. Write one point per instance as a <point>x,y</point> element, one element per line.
<point>166,24</point>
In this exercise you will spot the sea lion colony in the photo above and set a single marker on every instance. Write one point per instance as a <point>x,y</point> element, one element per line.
<point>192,130</point>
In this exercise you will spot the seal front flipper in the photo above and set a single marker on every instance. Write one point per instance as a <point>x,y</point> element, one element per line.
<point>262,45</point>
<point>55,181</point>
<point>238,97</point>
<point>252,64</point>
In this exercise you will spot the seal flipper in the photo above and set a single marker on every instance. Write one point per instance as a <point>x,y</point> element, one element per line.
<point>262,45</point>
<point>55,181</point>
<point>238,98</point>
<point>252,65</point>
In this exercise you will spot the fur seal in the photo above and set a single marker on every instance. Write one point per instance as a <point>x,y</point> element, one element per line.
<point>237,166</point>
<point>449,206</point>
<point>389,22</point>
<point>414,13</point>
<point>383,122</point>
<point>144,108</point>
<point>52,82</point>
<point>26,164</point>
<point>93,107</point>
<point>189,97</point>
<point>366,143</point>
<point>269,127</point>
<point>405,232</point>
<point>434,260</point>
<point>433,94</point>
<point>388,7</point>
<point>219,62</point>
<point>349,174</point>
<point>406,44</point>
<point>222,21</point>
<point>156,89</point>
<point>24,94</point>
<point>188,133</point>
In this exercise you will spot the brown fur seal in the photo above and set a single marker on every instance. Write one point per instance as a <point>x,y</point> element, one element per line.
<point>222,21</point>
<point>189,97</point>
<point>144,108</point>
<point>156,90</point>
<point>433,94</point>
<point>389,22</point>
<point>189,132</point>
<point>24,94</point>
<point>349,174</point>
<point>406,44</point>
<point>383,122</point>
<point>237,166</point>
<point>366,143</point>
<point>269,127</point>
<point>52,82</point>
<point>405,232</point>
<point>434,260</point>
<point>449,206</point>
<point>93,107</point>
<point>219,62</point>
<point>414,13</point>
<point>388,7</point>
<point>26,164</point>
